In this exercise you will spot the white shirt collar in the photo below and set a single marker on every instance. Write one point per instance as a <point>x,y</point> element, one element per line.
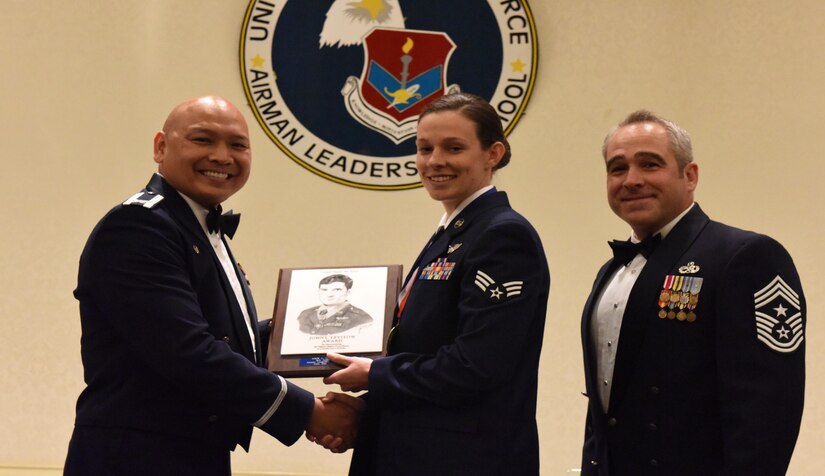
<point>446,219</point>
<point>666,229</point>
<point>199,210</point>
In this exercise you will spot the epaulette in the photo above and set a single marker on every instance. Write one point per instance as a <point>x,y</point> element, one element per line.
<point>145,198</point>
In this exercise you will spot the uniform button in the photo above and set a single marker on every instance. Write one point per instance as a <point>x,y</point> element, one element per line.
<point>212,418</point>
<point>611,421</point>
<point>615,305</point>
<point>604,382</point>
<point>654,390</point>
<point>652,426</point>
<point>653,462</point>
<point>225,339</point>
<point>610,343</point>
<point>594,463</point>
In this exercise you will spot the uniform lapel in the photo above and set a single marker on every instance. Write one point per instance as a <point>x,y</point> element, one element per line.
<point>642,304</point>
<point>250,307</point>
<point>417,263</point>
<point>180,210</point>
<point>434,250</point>
<point>461,223</point>
<point>183,214</point>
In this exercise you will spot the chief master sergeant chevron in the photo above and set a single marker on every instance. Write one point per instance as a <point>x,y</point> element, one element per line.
<point>694,349</point>
<point>171,346</point>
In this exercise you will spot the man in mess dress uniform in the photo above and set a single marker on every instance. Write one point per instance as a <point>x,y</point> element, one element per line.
<point>694,332</point>
<point>172,348</point>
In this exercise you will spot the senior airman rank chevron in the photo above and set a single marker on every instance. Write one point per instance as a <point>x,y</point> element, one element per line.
<point>440,270</point>
<point>488,284</point>
<point>778,316</point>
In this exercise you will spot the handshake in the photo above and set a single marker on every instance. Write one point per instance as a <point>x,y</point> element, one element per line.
<point>334,421</point>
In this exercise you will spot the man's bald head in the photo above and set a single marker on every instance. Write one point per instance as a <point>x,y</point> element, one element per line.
<point>203,149</point>
<point>195,105</point>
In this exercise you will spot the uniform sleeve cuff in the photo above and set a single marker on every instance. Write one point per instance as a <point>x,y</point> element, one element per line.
<point>288,416</point>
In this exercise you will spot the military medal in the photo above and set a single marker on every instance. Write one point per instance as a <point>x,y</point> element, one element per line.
<point>679,297</point>
<point>664,296</point>
<point>694,285</point>
<point>694,299</point>
<point>683,300</point>
<point>675,296</point>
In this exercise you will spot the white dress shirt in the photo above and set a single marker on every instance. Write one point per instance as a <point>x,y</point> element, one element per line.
<point>606,322</point>
<point>226,262</point>
<point>446,219</point>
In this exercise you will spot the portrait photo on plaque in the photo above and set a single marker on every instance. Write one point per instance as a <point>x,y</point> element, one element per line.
<point>347,310</point>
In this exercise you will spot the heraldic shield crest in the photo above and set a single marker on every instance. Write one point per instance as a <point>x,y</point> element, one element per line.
<point>404,70</point>
<point>338,85</point>
<point>779,317</point>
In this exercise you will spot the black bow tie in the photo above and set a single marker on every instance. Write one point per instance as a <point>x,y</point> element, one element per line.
<point>226,223</point>
<point>625,251</point>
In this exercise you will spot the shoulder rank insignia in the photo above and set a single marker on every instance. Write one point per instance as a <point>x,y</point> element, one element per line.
<point>778,316</point>
<point>144,198</point>
<point>496,291</point>
<point>679,294</point>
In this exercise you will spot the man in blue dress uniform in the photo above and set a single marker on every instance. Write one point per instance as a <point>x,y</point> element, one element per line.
<point>172,349</point>
<point>694,333</point>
